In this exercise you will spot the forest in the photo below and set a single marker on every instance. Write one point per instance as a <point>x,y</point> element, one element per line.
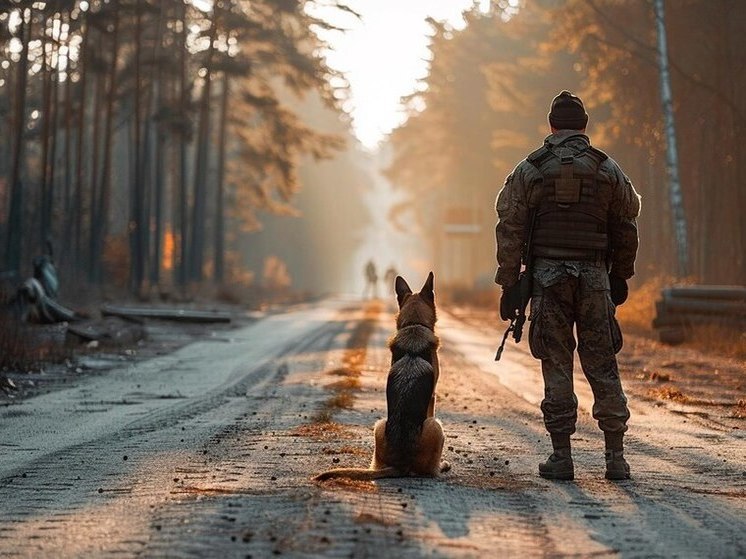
<point>144,137</point>
<point>166,144</point>
<point>483,107</point>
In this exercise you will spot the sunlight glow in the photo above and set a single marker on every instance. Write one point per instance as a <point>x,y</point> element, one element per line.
<point>13,21</point>
<point>15,46</point>
<point>384,55</point>
<point>202,5</point>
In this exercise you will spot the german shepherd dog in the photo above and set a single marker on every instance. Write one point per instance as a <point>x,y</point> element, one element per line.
<point>409,442</point>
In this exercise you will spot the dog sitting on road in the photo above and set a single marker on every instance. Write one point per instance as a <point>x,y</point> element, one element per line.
<point>410,440</point>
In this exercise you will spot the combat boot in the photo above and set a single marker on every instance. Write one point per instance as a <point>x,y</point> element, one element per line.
<point>616,466</point>
<point>559,464</point>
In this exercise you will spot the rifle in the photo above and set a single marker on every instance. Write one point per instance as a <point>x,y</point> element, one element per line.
<point>525,285</point>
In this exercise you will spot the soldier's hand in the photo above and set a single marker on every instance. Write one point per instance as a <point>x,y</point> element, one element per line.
<point>510,301</point>
<point>619,289</point>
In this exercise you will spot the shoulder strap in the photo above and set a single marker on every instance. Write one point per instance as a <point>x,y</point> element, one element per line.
<point>540,156</point>
<point>599,155</point>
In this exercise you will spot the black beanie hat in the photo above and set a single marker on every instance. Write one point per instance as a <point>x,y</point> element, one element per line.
<point>567,112</point>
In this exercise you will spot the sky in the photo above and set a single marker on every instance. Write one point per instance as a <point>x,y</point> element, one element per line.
<point>383,54</point>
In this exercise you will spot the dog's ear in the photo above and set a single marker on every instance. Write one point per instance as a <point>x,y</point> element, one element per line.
<point>402,289</point>
<point>427,289</point>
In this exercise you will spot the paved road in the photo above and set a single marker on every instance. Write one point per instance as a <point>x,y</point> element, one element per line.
<point>209,452</point>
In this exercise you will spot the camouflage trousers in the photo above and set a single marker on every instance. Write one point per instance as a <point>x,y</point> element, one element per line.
<point>567,295</point>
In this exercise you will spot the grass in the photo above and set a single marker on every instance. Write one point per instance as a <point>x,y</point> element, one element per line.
<point>637,314</point>
<point>719,339</point>
<point>27,348</point>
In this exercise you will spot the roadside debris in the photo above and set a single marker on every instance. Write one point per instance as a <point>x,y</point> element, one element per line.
<point>108,331</point>
<point>6,384</point>
<point>682,307</point>
<point>35,300</point>
<point>181,315</point>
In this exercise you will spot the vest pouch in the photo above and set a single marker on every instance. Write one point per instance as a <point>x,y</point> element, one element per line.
<point>535,328</point>
<point>617,340</point>
<point>567,191</point>
<point>567,188</point>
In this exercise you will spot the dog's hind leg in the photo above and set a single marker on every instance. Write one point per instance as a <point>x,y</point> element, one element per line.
<point>430,449</point>
<point>379,451</point>
<point>438,465</point>
<point>431,407</point>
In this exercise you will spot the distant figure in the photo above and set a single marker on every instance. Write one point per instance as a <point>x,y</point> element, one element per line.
<point>580,223</point>
<point>371,281</point>
<point>390,277</point>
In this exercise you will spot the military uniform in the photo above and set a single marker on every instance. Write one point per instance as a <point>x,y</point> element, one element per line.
<point>583,211</point>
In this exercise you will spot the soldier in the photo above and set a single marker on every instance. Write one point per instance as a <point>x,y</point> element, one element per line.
<point>578,209</point>
<point>371,281</point>
<point>390,276</point>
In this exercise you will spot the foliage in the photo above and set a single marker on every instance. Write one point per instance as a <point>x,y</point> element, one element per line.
<point>483,107</point>
<point>141,117</point>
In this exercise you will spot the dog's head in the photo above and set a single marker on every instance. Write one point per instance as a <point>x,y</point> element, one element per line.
<point>415,308</point>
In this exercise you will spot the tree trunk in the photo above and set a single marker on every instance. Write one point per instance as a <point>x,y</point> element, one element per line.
<point>55,116</point>
<point>219,256</point>
<point>675,194</point>
<point>93,215</point>
<point>156,92</point>
<point>78,196</point>
<point>98,234</point>
<point>183,270</point>
<point>136,214</point>
<point>46,77</point>
<point>201,164</point>
<point>67,156</point>
<point>15,211</point>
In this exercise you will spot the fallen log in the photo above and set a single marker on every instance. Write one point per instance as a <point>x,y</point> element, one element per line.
<point>709,292</point>
<point>59,313</point>
<point>180,315</point>
<point>701,306</point>
<point>665,319</point>
<point>684,307</point>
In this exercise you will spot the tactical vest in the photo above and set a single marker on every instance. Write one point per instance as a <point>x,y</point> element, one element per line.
<point>571,220</point>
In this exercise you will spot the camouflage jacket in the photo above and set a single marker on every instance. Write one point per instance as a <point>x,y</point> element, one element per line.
<point>518,194</point>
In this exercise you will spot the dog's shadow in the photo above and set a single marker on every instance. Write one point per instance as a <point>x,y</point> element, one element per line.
<point>478,490</point>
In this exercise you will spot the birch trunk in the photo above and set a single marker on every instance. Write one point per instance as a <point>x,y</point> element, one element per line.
<point>676,198</point>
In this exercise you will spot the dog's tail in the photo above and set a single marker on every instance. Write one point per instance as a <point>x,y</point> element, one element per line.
<point>358,474</point>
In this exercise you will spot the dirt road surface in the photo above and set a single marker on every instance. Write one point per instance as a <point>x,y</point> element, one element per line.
<point>209,451</point>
